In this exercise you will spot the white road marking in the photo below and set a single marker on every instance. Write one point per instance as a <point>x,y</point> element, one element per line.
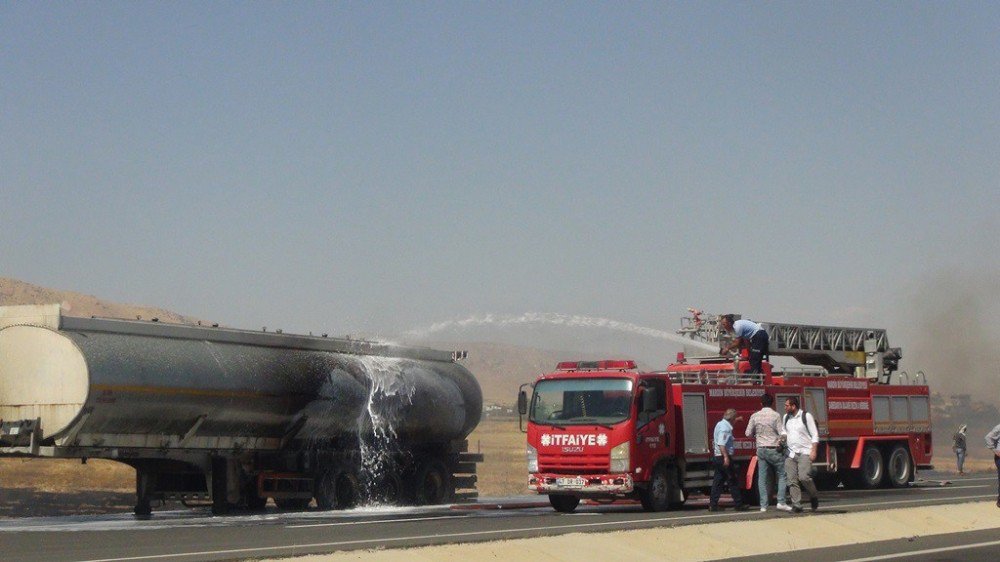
<point>907,489</point>
<point>925,551</point>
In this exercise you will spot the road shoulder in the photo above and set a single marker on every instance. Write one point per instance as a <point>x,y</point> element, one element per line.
<point>710,541</point>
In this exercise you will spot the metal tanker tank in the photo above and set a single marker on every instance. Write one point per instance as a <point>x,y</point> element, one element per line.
<point>100,387</point>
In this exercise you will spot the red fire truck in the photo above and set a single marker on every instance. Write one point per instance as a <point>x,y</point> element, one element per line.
<point>604,430</point>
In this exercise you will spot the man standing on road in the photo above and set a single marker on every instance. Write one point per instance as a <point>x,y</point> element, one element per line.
<point>765,425</point>
<point>722,461</point>
<point>803,442</point>
<point>959,448</point>
<point>993,442</point>
<point>747,334</point>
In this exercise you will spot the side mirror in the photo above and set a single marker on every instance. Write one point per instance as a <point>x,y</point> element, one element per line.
<point>522,406</point>
<point>649,402</point>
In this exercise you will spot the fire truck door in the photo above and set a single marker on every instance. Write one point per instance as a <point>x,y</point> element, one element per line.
<point>652,433</point>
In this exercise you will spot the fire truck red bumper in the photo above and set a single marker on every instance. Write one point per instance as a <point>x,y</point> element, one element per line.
<point>597,484</point>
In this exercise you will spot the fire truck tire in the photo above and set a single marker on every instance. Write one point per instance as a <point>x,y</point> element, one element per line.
<point>872,472</point>
<point>564,504</point>
<point>657,495</point>
<point>900,466</point>
<point>432,483</point>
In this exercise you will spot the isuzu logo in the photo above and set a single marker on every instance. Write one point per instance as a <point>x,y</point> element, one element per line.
<point>575,440</point>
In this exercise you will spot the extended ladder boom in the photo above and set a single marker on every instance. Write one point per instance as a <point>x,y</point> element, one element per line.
<point>837,349</point>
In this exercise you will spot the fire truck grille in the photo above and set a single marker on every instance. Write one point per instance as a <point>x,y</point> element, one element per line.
<point>582,464</point>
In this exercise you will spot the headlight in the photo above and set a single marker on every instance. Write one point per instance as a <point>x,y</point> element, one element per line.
<point>620,458</point>
<point>532,459</point>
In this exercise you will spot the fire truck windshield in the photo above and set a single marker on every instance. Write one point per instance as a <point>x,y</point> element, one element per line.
<point>581,401</point>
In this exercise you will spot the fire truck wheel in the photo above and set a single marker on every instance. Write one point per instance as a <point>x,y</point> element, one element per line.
<point>900,466</point>
<point>432,483</point>
<point>564,504</point>
<point>656,497</point>
<point>872,472</point>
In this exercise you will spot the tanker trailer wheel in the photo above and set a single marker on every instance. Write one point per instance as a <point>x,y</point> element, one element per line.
<point>292,504</point>
<point>900,466</point>
<point>336,489</point>
<point>432,483</point>
<point>387,488</point>
<point>254,501</point>
<point>326,490</point>
<point>564,504</point>
<point>872,472</point>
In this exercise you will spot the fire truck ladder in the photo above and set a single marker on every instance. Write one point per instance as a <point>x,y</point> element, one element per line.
<point>861,351</point>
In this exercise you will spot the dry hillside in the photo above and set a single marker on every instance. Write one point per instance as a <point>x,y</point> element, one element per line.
<point>13,291</point>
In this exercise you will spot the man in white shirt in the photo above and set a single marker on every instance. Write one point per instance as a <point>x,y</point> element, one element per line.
<point>803,443</point>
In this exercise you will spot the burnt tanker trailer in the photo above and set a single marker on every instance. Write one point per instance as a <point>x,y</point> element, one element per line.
<point>236,416</point>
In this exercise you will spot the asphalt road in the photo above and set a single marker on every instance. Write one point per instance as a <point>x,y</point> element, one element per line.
<point>194,535</point>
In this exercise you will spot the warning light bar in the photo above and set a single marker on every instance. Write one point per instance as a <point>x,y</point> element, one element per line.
<point>605,365</point>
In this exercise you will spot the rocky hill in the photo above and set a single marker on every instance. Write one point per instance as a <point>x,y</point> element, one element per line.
<point>13,291</point>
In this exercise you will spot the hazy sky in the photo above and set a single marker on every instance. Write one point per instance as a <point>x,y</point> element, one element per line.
<point>374,167</point>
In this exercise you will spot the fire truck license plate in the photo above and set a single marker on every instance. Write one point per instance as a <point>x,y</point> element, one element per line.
<point>571,482</point>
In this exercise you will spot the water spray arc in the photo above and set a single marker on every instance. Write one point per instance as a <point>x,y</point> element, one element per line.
<point>557,319</point>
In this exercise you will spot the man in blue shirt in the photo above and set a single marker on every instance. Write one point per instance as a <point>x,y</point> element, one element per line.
<point>747,334</point>
<point>724,464</point>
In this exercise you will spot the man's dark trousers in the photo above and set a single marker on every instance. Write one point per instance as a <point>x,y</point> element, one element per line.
<point>758,350</point>
<point>725,474</point>
<point>996,460</point>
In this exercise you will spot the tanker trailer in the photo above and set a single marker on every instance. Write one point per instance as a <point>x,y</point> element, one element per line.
<point>237,416</point>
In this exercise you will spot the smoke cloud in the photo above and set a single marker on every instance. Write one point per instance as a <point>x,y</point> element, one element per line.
<point>953,328</point>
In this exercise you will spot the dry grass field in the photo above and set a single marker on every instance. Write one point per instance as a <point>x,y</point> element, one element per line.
<point>504,471</point>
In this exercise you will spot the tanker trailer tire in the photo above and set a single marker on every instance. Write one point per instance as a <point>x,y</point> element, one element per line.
<point>336,489</point>
<point>564,504</point>
<point>387,489</point>
<point>292,504</point>
<point>143,509</point>
<point>348,490</point>
<point>900,466</point>
<point>143,487</point>
<point>432,483</point>
<point>871,475</point>
<point>253,500</point>
<point>326,490</point>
